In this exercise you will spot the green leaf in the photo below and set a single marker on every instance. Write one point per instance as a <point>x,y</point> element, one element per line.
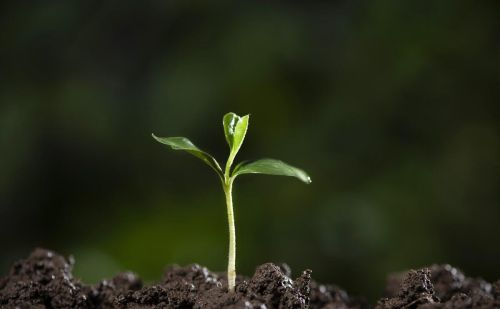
<point>229,122</point>
<point>271,167</point>
<point>182,143</point>
<point>235,129</point>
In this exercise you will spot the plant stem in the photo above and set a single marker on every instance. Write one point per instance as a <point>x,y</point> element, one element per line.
<point>231,265</point>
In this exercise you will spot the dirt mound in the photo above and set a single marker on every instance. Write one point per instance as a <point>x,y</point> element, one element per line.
<point>44,280</point>
<point>439,286</point>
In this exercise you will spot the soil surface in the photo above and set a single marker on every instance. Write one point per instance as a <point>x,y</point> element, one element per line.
<point>44,280</point>
<point>439,286</point>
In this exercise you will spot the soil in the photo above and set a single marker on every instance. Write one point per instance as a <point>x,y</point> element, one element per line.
<point>439,286</point>
<point>45,280</point>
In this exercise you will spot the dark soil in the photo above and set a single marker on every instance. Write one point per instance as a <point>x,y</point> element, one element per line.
<point>439,286</point>
<point>44,280</point>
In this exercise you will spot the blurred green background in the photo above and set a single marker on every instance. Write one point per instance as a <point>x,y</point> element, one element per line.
<point>391,106</point>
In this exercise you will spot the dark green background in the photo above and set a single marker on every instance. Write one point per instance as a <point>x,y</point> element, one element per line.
<point>391,106</point>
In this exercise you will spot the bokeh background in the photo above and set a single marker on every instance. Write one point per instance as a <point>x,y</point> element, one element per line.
<point>392,107</point>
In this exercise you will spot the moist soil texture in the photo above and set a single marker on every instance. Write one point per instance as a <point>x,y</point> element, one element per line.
<point>45,280</point>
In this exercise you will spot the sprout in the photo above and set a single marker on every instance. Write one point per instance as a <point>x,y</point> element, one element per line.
<point>235,129</point>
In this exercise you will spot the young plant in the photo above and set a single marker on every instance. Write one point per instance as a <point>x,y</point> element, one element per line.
<point>235,129</point>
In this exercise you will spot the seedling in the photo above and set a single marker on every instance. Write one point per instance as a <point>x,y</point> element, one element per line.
<point>235,129</point>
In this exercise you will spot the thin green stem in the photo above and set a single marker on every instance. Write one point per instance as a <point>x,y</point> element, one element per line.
<point>229,162</point>
<point>231,265</point>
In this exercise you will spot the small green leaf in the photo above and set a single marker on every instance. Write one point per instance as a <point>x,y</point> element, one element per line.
<point>182,143</point>
<point>271,167</point>
<point>235,129</point>
<point>229,122</point>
